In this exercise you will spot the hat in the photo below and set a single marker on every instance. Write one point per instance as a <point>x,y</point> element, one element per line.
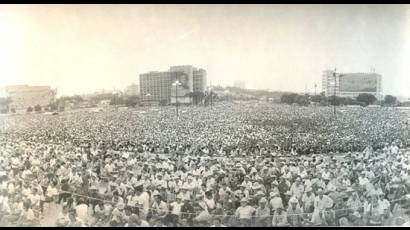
<point>331,188</point>
<point>349,189</point>
<point>199,195</point>
<point>273,194</point>
<point>308,189</point>
<point>259,193</point>
<point>293,200</point>
<point>120,206</point>
<point>155,193</point>
<point>289,193</point>
<point>263,200</point>
<point>256,186</point>
<point>244,200</point>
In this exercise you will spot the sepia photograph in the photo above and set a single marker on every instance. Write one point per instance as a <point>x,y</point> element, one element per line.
<point>204,115</point>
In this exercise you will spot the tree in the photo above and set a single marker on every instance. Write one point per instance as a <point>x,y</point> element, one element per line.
<point>77,98</point>
<point>53,106</point>
<point>302,100</point>
<point>200,96</point>
<point>334,100</point>
<point>288,98</point>
<point>163,102</point>
<point>4,104</point>
<point>132,101</point>
<point>316,98</point>
<point>37,108</point>
<point>191,96</point>
<point>366,98</point>
<point>389,100</point>
<point>210,97</point>
<point>30,109</point>
<point>5,101</point>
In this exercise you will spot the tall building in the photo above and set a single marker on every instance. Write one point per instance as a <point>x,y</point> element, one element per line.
<point>24,96</point>
<point>351,84</point>
<point>199,78</point>
<point>158,87</point>
<point>132,90</point>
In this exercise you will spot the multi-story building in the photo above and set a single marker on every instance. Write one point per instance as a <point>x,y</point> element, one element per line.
<point>159,87</point>
<point>24,96</point>
<point>132,90</point>
<point>351,84</point>
<point>199,79</point>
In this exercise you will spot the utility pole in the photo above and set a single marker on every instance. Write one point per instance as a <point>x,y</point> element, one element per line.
<point>176,98</point>
<point>315,88</point>
<point>176,83</point>
<point>334,94</point>
<point>210,87</point>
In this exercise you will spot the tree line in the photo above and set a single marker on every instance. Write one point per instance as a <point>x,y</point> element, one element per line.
<point>363,99</point>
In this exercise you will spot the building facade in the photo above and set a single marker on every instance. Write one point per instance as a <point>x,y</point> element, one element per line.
<point>159,87</point>
<point>351,84</point>
<point>199,79</point>
<point>24,96</point>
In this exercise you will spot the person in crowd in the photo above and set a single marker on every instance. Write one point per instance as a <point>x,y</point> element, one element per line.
<point>206,169</point>
<point>294,213</point>
<point>262,214</point>
<point>244,213</point>
<point>280,218</point>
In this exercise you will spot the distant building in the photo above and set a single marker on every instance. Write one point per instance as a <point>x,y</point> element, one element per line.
<point>239,84</point>
<point>199,79</point>
<point>157,87</point>
<point>24,96</point>
<point>104,103</point>
<point>351,84</point>
<point>132,90</point>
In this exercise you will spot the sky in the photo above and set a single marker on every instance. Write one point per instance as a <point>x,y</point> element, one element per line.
<point>85,48</point>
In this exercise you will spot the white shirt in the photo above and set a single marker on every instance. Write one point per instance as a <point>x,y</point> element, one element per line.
<point>35,199</point>
<point>276,203</point>
<point>143,200</point>
<point>245,212</point>
<point>176,208</point>
<point>51,191</point>
<point>82,212</point>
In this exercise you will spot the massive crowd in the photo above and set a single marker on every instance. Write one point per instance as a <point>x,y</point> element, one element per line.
<point>227,165</point>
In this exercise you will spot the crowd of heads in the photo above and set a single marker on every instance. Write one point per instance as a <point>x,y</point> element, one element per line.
<point>226,165</point>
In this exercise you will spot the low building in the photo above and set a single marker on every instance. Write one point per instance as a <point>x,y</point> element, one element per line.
<point>24,96</point>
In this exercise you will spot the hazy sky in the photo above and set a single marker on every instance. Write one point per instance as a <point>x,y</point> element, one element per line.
<point>84,48</point>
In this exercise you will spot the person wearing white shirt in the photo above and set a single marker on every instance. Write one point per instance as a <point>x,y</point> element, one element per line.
<point>11,188</point>
<point>176,210</point>
<point>27,218</point>
<point>297,189</point>
<point>383,203</point>
<point>276,201</point>
<point>244,213</point>
<point>308,200</point>
<point>74,221</point>
<point>322,202</point>
<point>143,202</point>
<point>209,200</point>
